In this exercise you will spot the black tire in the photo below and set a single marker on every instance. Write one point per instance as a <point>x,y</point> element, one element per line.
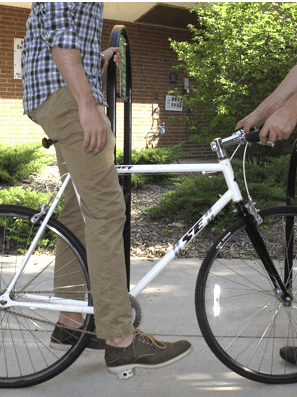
<point>26,357</point>
<point>240,315</point>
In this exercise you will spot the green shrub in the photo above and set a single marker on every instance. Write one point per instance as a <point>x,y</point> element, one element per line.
<point>194,196</point>
<point>17,195</point>
<point>27,198</point>
<point>19,162</point>
<point>164,155</point>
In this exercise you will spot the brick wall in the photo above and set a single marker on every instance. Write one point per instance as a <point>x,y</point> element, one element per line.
<point>14,126</point>
<point>152,61</point>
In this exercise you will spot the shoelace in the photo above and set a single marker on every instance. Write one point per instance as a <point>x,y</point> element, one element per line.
<point>152,341</point>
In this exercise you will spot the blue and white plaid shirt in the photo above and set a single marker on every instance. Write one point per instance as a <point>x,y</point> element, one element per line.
<point>65,25</point>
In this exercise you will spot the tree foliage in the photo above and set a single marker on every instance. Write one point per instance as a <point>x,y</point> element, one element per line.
<point>237,57</point>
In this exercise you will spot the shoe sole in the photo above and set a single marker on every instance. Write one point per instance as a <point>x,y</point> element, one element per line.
<point>127,367</point>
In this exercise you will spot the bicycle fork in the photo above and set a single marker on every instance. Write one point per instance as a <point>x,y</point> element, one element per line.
<point>282,292</point>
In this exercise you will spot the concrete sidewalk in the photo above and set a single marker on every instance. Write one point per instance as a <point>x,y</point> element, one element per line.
<point>169,314</point>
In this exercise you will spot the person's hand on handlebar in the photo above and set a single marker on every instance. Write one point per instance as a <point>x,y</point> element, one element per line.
<point>251,122</point>
<point>277,127</point>
<point>277,114</point>
<point>281,123</point>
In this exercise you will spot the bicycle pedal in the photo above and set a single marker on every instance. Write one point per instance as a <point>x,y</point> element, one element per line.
<point>126,374</point>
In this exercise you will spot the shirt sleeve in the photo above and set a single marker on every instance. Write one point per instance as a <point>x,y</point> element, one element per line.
<point>57,24</point>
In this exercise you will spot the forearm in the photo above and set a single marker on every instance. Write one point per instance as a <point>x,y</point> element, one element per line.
<point>70,66</point>
<point>286,90</point>
<point>282,122</point>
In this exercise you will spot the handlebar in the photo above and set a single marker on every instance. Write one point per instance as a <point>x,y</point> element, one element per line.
<point>240,137</point>
<point>253,136</point>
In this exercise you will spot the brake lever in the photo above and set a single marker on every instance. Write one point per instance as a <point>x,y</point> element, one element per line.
<point>268,143</point>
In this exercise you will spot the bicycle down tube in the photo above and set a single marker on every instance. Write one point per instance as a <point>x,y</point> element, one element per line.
<point>233,193</point>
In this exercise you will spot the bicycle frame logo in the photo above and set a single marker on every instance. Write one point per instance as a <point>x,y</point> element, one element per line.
<point>205,220</point>
<point>199,225</point>
<point>222,242</point>
<point>124,167</point>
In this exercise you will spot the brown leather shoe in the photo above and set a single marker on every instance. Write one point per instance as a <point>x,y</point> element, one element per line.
<point>62,338</point>
<point>144,352</point>
<point>289,354</point>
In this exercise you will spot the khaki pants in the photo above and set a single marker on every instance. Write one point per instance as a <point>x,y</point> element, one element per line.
<point>103,208</point>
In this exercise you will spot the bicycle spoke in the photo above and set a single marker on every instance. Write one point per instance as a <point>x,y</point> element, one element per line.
<point>26,354</point>
<point>250,323</point>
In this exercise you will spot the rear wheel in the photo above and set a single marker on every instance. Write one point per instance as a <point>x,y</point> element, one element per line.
<point>26,353</point>
<point>240,314</point>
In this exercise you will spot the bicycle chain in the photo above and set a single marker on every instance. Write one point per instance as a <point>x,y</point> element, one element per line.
<point>46,292</point>
<point>68,328</point>
<point>51,323</point>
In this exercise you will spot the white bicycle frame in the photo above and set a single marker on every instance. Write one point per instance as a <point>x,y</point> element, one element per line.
<point>59,304</point>
<point>232,194</point>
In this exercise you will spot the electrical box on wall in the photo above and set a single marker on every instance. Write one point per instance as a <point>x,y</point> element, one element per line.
<point>173,103</point>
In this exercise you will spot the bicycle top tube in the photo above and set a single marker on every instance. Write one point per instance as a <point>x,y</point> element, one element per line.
<point>239,137</point>
<point>168,168</point>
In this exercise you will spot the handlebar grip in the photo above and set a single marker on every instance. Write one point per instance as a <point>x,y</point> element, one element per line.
<point>253,136</point>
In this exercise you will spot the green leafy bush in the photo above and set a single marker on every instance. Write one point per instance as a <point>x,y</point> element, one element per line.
<point>27,198</point>
<point>19,162</point>
<point>164,155</point>
<point>17,195</point>
<point>18,232</point>
<point>194,196</point>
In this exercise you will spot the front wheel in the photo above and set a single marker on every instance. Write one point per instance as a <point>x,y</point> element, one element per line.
<point>241,316</point>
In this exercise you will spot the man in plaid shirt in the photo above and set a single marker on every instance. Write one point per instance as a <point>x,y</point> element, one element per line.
<point>61,72</point>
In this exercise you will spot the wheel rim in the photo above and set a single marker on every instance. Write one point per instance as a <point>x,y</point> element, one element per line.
<point>240,315</point>
<point>26,354</point>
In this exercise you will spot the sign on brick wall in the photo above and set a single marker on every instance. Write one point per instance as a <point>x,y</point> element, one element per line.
<point>173,103</point>
<point>18,44</point>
